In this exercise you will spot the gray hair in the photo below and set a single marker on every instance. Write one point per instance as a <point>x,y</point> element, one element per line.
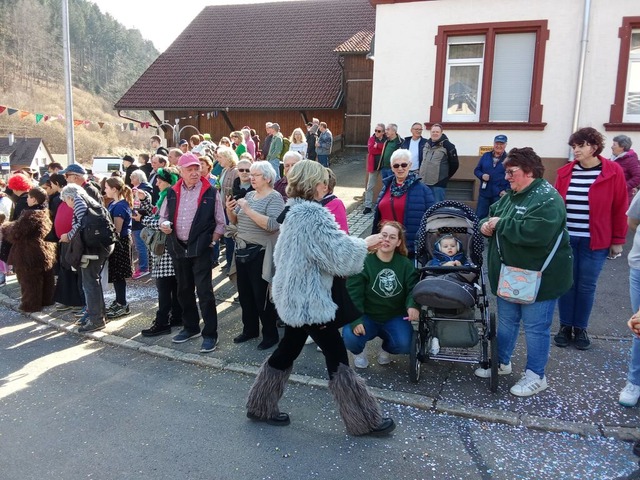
<point>381,125</point>
<point>292,155</point>
<point>401,154</point>
<point>624,142</point>
<point>72,191</point>
<point>393,126</point>
<point>140,175</point>
<point>265,168</point>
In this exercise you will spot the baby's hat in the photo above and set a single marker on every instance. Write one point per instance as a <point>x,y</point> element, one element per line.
<point>446,236</point>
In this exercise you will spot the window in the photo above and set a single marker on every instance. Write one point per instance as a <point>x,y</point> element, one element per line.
<point>632,93</point>
<point>625,112</point>
<point>490,75</point>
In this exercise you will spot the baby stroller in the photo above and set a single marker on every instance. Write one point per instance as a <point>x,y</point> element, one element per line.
<point>454,304</point>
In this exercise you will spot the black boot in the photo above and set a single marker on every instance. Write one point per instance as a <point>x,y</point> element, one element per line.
<point>564,336</point>
<point>359,410</point>
<point>266,391</point>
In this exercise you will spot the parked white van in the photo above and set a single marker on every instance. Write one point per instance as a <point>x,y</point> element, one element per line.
<point>103,166</point>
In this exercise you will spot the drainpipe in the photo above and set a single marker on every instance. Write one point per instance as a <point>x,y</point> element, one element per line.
<point>583,57</point>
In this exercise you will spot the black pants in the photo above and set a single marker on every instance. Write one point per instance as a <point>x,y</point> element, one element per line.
<point>168,303</point>
<point>327,338</point>
<point>195,274</point>
<point>256,305</point>
<point>120,287</point>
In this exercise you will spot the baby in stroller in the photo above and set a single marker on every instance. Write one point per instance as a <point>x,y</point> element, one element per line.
<point>447,252</point>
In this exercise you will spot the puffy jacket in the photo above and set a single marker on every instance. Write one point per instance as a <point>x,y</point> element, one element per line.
<point>439,162</point>
<point>419,199</point>
<point>608,203</point>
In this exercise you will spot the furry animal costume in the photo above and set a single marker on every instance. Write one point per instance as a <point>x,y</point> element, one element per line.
<point>32,258</point>
<point>301,287</point>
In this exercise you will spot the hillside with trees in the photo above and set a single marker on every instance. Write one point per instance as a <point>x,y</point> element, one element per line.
<point>106,59</point>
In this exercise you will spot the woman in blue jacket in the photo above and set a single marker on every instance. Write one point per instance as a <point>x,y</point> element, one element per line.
<point>490,172</point>
<point>403,198</point>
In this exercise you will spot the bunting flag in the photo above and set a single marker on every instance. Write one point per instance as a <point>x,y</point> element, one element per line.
<point>40,117</point>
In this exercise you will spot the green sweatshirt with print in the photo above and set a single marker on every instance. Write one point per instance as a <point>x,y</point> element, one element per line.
<point>383,289</point>
<point>529,225</point>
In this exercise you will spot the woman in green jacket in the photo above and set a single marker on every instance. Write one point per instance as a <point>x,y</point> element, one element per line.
<point>527,222</point>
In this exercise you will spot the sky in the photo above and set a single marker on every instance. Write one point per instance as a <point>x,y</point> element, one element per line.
<point>155,19</point>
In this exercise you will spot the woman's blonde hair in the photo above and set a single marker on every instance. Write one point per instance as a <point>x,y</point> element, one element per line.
<point>293,136</point>
<point>303,178</point>
<point>228,154</point>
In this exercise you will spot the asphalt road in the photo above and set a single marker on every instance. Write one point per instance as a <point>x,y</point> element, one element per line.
<point>77,409</point>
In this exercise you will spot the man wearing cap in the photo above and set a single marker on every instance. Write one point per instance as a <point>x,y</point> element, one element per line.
<point>273,157</point>
<point>75,173</point>
<point>156,144</point>
<point>183,146</point>
<point>129,164</point>
<point>193,218</point>
<point>490,172</point>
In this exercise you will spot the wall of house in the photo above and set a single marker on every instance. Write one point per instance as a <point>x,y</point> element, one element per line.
<point>217,126</point>
<point>405,53</point>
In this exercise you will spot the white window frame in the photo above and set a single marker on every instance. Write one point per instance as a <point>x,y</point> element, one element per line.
<point>634,60</point>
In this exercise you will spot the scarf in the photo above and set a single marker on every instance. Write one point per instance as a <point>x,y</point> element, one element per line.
<point>400,190</point>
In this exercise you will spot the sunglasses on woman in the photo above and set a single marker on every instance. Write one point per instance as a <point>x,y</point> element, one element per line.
<point>243,170</point>
<point>403,165</point>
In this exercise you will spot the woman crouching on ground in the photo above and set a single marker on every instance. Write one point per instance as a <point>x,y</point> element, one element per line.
<point>310,251</point>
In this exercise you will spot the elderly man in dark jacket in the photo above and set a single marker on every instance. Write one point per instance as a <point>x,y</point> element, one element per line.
<point>193,217</point>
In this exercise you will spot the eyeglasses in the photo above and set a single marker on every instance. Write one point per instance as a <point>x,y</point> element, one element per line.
<point>510,172</point>
<point>403,165</point>
<point>243,170</point>
<point>379,131</point>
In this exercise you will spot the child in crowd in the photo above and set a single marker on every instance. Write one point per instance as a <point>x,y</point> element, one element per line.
<point>448,252</point>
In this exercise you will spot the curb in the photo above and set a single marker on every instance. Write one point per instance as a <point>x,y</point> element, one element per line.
<point>533,422</point>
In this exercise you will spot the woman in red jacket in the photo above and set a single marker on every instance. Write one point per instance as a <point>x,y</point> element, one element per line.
<point>595,194</point>
<point>374,147</point>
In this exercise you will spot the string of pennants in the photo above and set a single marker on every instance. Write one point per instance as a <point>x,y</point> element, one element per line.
<point>40,117</point>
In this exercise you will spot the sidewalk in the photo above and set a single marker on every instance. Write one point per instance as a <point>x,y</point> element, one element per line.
<point>583,385</point>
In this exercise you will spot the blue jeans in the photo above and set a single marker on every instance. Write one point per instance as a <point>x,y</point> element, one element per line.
<point>395,334</point>
<point>438,193</point>
<point>575,305</point>
<point>634,362</point>
<point>482,209</point>
<point>275,163</point>
<point>143,252</point>
<point>536,319</point>
<point>324,160</point>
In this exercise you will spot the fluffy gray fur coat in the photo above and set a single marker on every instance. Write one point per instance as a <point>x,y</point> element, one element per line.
<point>310,251</point>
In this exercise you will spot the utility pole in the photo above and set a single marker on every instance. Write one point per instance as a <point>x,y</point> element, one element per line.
<point>66,54</point>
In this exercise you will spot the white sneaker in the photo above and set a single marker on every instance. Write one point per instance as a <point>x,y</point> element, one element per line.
<point>434,346</point>
<point>360,361</point>
<point>486,372</point>
<point>308,341</point>
<point>529,384</point>
<point>629,395</point>
<point>383,358</point>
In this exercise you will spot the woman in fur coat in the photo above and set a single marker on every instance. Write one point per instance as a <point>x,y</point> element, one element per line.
<point>310,251</point>
<point>31,256</point>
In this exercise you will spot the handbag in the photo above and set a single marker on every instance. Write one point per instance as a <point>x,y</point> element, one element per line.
<point>155,240</point>
<point>519,285</point>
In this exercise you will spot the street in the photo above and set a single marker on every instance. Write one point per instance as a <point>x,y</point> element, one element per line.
<point>73,408</point>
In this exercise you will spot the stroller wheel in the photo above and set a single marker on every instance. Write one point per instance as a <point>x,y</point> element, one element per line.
<point>414,358</point>
<point>493,342</point>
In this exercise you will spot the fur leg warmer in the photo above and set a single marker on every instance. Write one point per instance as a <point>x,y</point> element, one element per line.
<point>266,391</point>
<point>359,410</point>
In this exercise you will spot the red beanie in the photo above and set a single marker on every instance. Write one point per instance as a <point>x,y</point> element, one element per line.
<point>19,182</point>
